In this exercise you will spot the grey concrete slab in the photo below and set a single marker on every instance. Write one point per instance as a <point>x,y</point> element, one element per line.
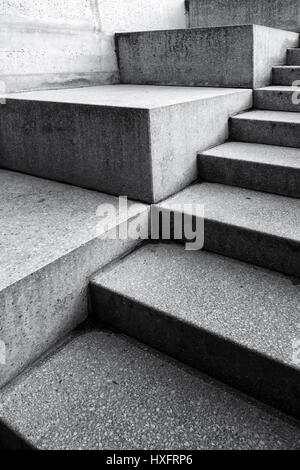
<point>255,227</point>
<point>293,56</point>
<point>253,166</point>
<point>231,320</point>
<point>278,98</point>
<point>51,242</point>
<point>286,75</point>
<point>284,14</point>
<point>121,140</point>
<point>105,391</point>
<point>229,56</point>
<point>267,127</point>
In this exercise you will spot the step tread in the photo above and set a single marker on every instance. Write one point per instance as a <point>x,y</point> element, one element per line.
<point>41,221</point>
<point>262,212</point>
<point>126,96</point>
<point>250,306</point>
<point>273,116</point>
<point>257,153</point>
<point>104,391</point>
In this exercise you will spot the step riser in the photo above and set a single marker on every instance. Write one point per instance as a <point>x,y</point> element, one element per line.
<point>12,440</point>
<point>265,132</point>
<point>277,101</point>
<point>285,15</point>
<point>52,242</point>
<point>293,57</point>
<point>224,57</point>
<point>267,380</point>
<point>285,76</point>
<point>261,249</point>
<point>77,144</point>
<point>257,176</point>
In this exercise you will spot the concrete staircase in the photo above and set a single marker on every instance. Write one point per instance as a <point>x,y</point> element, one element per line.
<point>230,311</point>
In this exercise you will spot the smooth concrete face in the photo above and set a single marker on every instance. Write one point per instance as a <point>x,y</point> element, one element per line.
<point>267,127</point>
<point>141,15</point>
<point>229,319</point>
<point>141,142</point>
<point>52,240</point>
<point>238,56</point>
<point>254,166</point>
<point>283,14</point>
<point>105,391</point>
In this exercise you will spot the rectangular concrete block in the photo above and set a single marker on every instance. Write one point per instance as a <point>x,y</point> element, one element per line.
<point>51,242</point>
<point>284,14</point>
<point>141,142</point>
<point>229,56</point>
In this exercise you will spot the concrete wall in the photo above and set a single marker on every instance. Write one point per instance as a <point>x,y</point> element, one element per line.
<point>55,43</point>
<point>284,14</point>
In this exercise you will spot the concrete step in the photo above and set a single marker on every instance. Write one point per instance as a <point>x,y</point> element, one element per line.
<point>267,127</point>
<point>228,319</point>
<point>253,166</point>
<point>118,139</point>
<point>284,14</point>
<point>104,391</point>
<point>255,227</point>
<point>278,98</point>
<point>293,57</point>
<point>52,239</point>
<point>286,75</point>
<point>235,56</point>
<point>40,53</point>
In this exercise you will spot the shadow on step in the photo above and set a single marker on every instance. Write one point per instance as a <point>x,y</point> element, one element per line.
<point>11,440</point>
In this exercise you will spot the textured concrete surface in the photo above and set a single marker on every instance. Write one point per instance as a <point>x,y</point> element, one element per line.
<point>278,98</point>
<point>103,391</point>
<point>285,75</point>
<point>229,319</point>
<point>293,57</point>
<point>256,227</point>
<point>254,166</point>
<point>88,136</point>
<point>267,127</point>
<point>232,56</point>
<point>51,242</point>
<point>282,14</point>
